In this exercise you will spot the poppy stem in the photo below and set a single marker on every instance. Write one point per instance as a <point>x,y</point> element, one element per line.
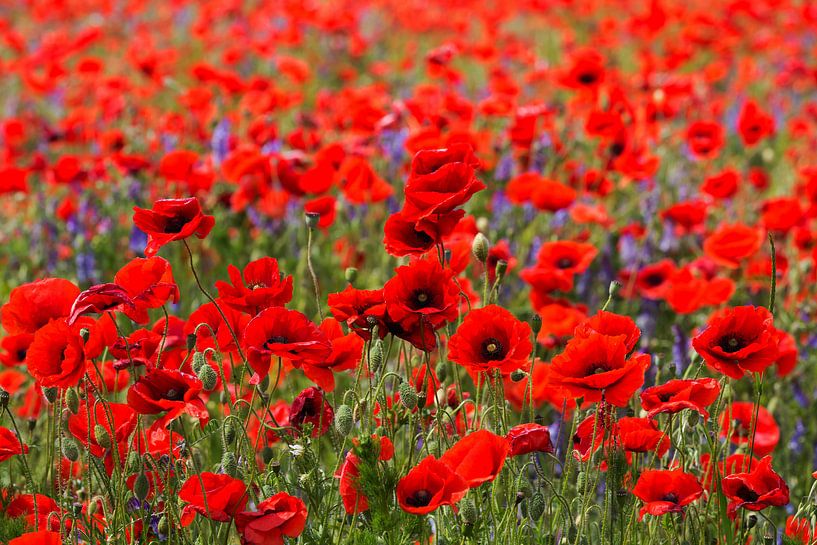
<point>26,470</point>
<point>309,266</point>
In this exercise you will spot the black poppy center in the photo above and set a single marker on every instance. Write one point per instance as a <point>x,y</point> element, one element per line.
<point>492,349</point>
<point>421,498</point>
<point>587,78</point>
<point>599,367</point>
<point>175,225</point>
<point>663,398</point>
<point>174,395</point>
<point>21,355</point>
<point>277,339</point>
<point>747,494</point>
<point>309,408</point>
<point>654,280</point>
<point>672,497</point>
<point>421,298</point>
<point>732,343</point>
<point>564,263</point>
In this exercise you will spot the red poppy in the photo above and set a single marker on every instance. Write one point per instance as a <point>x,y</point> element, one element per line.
<point>557,263</point>
<point>666,491</point>
<point>781,214</point>
<point>149,283</point>
<point>754,124</point>
<point>33,305</point>
<point>478,457</point>
<point>723,185</point>
<point>98,300</point>
<point>738,418</point>
<point>403,237</point>
<point>43,537</point>
<point>801,529</point>
<point>705,139</point>
<point>679,394</point>
<point>310,407</point>
<point>15,349</point>
<point>361,184</point>
<point>168,390</point>
<point>325,207</point>
<point>422,294</point>
<point>259,287</point>
<point>737,340</point>
<point>10,445</point>
<point>491,338</point>
<point>732,243</point>
<point>440,181</point>
<point>734,463</point>
<point>585,72</point>
<point>171,219</point>
<point>527,438</point>
<point>47,512</point>
<point>207,320</point>
<point>688,215</point>
<point>651,282</point>
<point>589,435</point>
<point>355,307</point>
<point>641,435</point>
<point>610,324</point>
<point>787,353</point>
<point>217,497</point>
<point>56,356</point>
<point>688,293</point>
<point>284,333</point>
<point>597,366</point>
<point>275,517</point>
<point>429,485</point>
<point>757,489</point>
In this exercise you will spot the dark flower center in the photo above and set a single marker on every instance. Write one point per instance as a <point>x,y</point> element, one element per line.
<point>175,225</point>
<point>564,263</point>
<point>492,349</point>
<point>174,395</point>
<point>672,497</point>
<point>21,355</point>
<point>654,280</point>
<point>278,339</point>
<point>731,343</point>
<point>599,367</point>
<point>664,397</point>
<point>421,498</point>
<point>747,494</point>
<point>587,78</point>
<point>256,286</point>
<point>421,298</point>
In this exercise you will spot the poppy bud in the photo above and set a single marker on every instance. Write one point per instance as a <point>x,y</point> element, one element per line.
<point>266,454</point>
<point>518,375</point>
<point>421,399</point>
<point>4,399</point>
<point>536,324</point>
<point>229,432</point>
<point>50,394</point>
<point>537,506</point>
<point>103,439</point>
<point>751,521</point>
<point>85,334</point>
<point>208,377</point>
<point>312,219</point>
<point>72,400</point>
<point>276,467</point>
<point>408,396</point>
<point>191,341</point>
<point>344,420</point>
<point>134,462</point>
<point>501,268</point>
<point>693,418</point>
<point>70,450</point>
<point>613,289</point>
<point>580,479</point>
<point>376,356</point>
<point>468,510</point>
<point>141,487</point>
<point>441,370</point>
<point>229,464</point>
<point>351,274</point>
<point>199,360</point>
<point>479,247</point>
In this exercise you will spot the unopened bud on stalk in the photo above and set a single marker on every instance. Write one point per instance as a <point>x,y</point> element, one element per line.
<point>50,394</point>
<point>692,419</point>
<point>518,375</point>
<point>408,396</point>
<point>102,436</point>
<point>468,510</point>
<point>229,432</point>
<point>208,377</point>
<point>344,420</point>
<point>421,399</point>
<point>479,247</point>
<point>376,356</point>
<point>537,506</point>
<point>70,450</point>
<point>199,360</point>
<point>134,462</point>
<point>163,525</point>
<point>613,289</point>
<point>229,463</point>
<point>501,269</point>
<point>72,400</point>
<point>441,370</point>
<point>580,480</point>
<point>4,399</point>
<point>536,324</point>
<point>266,454</point>
<point>312,219</point>
<point>191,341</point>
<point>141,487</point>
<point>351,274</point>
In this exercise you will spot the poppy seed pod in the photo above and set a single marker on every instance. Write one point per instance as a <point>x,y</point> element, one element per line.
<point>480,247</point>
<point>536,324</point>
<point>312,219</point>
<point>4,398</point>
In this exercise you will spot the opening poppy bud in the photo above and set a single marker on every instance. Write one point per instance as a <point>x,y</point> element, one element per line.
<point>72,400</point>
<point>141,487</point>
<point>536,324</point>
<point>50,394</point>
<point>441,370</point>
<point>266,454</point>
<point>480,247</point>
<point>376,357</point>
<point>207,376</point>
<point>518,375</point>
<point>343,419</point>
<point>4,398</point>
<point>312,219</point>
<point>102,436</point>
<point>70,450</point>
<point>351,274</point>
<point>198,361</point>
<point>421,399</point>
<point>229,464</point>
<point>408,396</point>
<point>468,510</point>
<point>613,289</point>
<point>537,506</point>
<point>191,341</point>
<point>501,268</point>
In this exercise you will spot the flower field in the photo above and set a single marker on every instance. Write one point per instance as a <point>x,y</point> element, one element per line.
<point>402,272</point>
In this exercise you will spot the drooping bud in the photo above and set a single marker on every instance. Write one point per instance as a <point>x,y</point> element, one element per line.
<point>229,464</point>
<point>518,375</point>
<point>441,370</point>
<point>208,377</point>
<point>191,341</point>
<point>72,400</point>
<point>408,396</point>
<point>479,247</point>
<point>141,487</point>
<point>70,450</point>
<point>537,506</point>
<point>344,420</point>
<point>199,360</point>
<point>501,268</point>
<point>50,394</point>
<point>102,436</point>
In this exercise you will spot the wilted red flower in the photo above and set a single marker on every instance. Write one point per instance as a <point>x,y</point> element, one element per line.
<point>172,219</point>
<point>422,293</point>
<point>261,286</point>
<point>10,445</point>
<point>98,300</point>
<point>596,366</point>
<point>666,491</point>
<point>275,517</point>
<point>56,357</point>
<point>679,394</point>
<point>33,305</point>
<point>757,489</point>
<point>491,338</point>
<point>429,485</point>
<point>285,333</point>
<point>440,181</point>
<point>225,497</point>
<point>705,139</point>
<point>739,416</point>
<point>527,438</point>
<point>609,324</point>
<point>311,407</point>
<point>168,390</point>
<point>737,340</point>
<point>477,458</point>
<point>732,243</point>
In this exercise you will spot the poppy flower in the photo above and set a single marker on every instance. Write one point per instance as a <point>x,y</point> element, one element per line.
<point>586,71</point>
<point>781,214</point>
<point>597,366</point>
<point>666,491</point>
<point>33,305</point>
<point>441,180</point>
<point>679,394</point>
<point>737,340</point>
<point>589,435</point>
<point>284,333</point>
<point>355,307</point>
<point>739,416</point>
<point>732,243</point>
<point>14,349</point>
<point>171,219</point>
<point>56,357</point>
<point>43,537</point>
<point>149,283</point>
<point>754,124</point>
<point>611,325</point>
<point>403,237</point>
<point>688,292</point>
<point>428,486</point>
<point>47,512</point>
<point>422,294</point>
<point>99,299</point>
<point>650,282</point>
<point>723,185</point>
<point>206,321</point>
<point>118,419</point>
<point>10,445</point>
<point>277,516</point>
<point>477,458</point>
<point>491,338</point>
<point>347,351</point>
<point>757,489</point>
<point>734,463</point>
<point>527,438</point>
<point>686,215</point>
<point>260,286</point>
<point>801,529</point>
<point>787,353</point>
<point>310,407</point>
<point>640,435</point>
<point>557,263</point>
<point>325,207</point>
<point>705,139</point>
<point>215,496</point>
<point>168,390</point>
